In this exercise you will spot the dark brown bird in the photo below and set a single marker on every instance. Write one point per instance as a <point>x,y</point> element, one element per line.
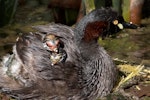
<point>87,73</point>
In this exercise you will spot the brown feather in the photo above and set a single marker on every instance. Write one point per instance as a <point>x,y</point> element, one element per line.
<point>94,29</point>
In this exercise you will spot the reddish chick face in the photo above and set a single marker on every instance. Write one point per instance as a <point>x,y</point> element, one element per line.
<point>53,45</point>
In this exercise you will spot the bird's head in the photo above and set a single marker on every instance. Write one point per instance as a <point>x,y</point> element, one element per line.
<point>117,24</point>
<point>122,24</point>
<point>107,27</point>
<point>52,42</point>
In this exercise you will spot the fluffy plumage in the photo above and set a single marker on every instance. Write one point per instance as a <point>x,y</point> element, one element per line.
<point>87,73</point>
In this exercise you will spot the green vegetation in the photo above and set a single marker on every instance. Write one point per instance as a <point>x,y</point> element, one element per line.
<point>7,11</point>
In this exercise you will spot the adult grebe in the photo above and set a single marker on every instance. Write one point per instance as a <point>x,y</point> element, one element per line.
<point>86,71</point>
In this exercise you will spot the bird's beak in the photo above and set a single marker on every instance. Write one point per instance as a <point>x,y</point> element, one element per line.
<point>129,25</point>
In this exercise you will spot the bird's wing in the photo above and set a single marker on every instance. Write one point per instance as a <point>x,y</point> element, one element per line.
<point>34,57</point>
<point>56,29</point>
<point>66,35</point>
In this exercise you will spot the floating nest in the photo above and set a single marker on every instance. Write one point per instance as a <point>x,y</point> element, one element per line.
<point>134,82</point>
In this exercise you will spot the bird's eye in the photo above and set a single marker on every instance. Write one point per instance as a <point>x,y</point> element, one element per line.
<point>115,22</point>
